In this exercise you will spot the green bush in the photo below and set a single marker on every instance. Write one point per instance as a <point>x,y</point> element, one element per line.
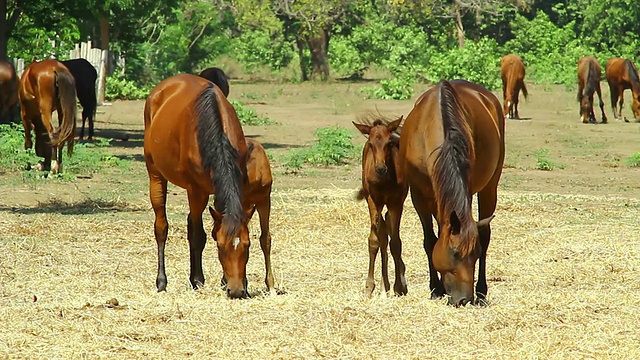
<point>249,116</point>
<point>391,89</point>
<point>119,88</point>
<point>634,160</point>
<point>332,146</point>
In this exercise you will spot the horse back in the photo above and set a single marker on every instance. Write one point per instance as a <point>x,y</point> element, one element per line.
<point>38,84</point>
<point>8,84</point>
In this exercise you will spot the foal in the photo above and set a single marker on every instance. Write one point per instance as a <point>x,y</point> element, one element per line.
<point>380,187</point>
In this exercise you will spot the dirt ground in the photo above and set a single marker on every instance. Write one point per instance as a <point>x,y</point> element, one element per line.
<point>564,261</point>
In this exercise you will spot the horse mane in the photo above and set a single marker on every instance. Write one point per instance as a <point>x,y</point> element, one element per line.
<point>633,74</point>
<point>453,163</point>
<point>220,157</point>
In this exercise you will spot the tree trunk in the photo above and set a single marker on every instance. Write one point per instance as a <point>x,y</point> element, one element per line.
<point>303,61</point>
<point>459,25</point>
<point>3,30</point>
<point>319,47</point>
<point>104,40</point>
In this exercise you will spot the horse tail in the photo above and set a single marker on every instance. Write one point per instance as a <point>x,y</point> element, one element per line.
<point>525,92</point>
<point>452,165</point>
<point>66,92</point>
<point>592,80</point>
<point>220,157</point>
<point>362,194</point>
<point>633,74</point>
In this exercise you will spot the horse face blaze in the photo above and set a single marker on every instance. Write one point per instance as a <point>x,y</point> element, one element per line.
<point>233,253</point>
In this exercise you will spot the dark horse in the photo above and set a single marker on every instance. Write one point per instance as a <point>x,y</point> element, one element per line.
<point>85,75</point>
<point>8,93</point>
<point>381,188</point>
<point>512,70</point>
<point>622,74</point>
<point>193,139</point>
<point>46,86</point>
<point>218,77</point>
<point>451,147</point>
<point>589,74</point>
<point>257,195</point>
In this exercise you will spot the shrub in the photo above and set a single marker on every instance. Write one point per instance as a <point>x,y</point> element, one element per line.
<point>332,146</point>
<point>391,89</point>
<point>249,116</point>
<point>634,160</point>
<point>119,88</point>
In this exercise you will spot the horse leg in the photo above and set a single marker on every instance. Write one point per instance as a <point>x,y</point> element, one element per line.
<point>27,123</point>
<point>383,240</point>
<point>487,199</point>
<point>196,235</point>
<point>423,207</point>
<point>264,210</point>
<point>601,103</point>
<point>515,102</point>
<point>375,218</point>
<point>158,197</point>
<point>394,214</point>
<point>82,128</point>
<point>621,101</point>
<point>90,120</point>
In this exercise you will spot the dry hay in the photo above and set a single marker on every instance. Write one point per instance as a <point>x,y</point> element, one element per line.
<point>563,271</point>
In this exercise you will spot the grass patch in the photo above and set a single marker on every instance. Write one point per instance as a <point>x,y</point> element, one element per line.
<point>543,162</point>
<point>633,160</point>
<point>333,146</point>
<point>249,116</point>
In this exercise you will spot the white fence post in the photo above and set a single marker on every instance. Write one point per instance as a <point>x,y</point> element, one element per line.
<point>102,75</point>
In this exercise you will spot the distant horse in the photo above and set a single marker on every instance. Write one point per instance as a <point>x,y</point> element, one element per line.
<point>589,74</point>
<point>622,74</point>
<point>257,195</point>
<point>218,77</point>
<point>451,147</point>
<point>512,70</point>
<point>8,92</point>
<point>193,139</point>
<point>380,187</point>
<point>46,86</point>
<point>85,75</point>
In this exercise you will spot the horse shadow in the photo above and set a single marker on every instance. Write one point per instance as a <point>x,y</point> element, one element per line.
<point>83,207</point>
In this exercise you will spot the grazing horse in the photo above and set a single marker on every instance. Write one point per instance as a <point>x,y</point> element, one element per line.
<point>451,147</point>
<point>218,77</point>
<point>85,75</point>
<point>380,187</point>
<point>46,86</point>
<point>8,92</point>
<point>589,82</point>
<point>193,139</point>
<point>512,69</point>
<point>257,196</point>
<point>621,74</point>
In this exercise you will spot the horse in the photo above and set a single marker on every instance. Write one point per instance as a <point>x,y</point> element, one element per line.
<point>193,139</point>
<point>46,86</point>
<point>452,147</point>
<point>257,196</point>
<point>218,77</point>
<point>85,75</point>
<point>622,74</point>
<point>8,92</point>
<point>512,70</point>
<point>381,188</point>
<point>589,74</point>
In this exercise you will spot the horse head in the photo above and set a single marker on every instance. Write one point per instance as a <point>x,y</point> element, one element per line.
<point>233,251</point>
<point>455,256</point>
<point>381,144</point>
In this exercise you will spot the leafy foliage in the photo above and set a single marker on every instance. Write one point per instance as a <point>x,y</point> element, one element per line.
<point>391,89</point>
<point>332,146</point>
<point>543,162</point>
<point>249,116</point>
<point>119,88</point>
<point>633,160</point>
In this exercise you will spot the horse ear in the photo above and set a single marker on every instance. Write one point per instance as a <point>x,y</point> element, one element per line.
<point>394,124</point>
<point>215,214</point>
<point>454,222</point>
<point>484,223</point>
<point>364,129</point>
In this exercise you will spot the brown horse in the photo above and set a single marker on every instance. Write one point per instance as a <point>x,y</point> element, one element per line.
<point>512,70</point>
<point>8,93</point>
<point>380,187</point>
<point>218,77</point>
<point>589,74</point>
<point>621,74</point>
<point>193,139</point>
<point>46,86</point>
<point>451,147</point>
<point>257,196</point>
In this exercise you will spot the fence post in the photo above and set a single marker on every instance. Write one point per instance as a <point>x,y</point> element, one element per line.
<point>102,75</point>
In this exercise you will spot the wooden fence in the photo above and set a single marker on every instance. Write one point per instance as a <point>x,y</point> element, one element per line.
<point>97,57</point>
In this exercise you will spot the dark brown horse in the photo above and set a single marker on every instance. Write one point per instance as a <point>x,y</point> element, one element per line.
<point>218,77</point>
<point>48,86</point>
<point>257,196</point>
<point>451,147</point>
<point>589,74</point>
<point>85,76</point>
<point>381,188</point>
<point>622,74</point>
<point>8,93</point>
<point>194,140</point>
<point>512,70</point>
